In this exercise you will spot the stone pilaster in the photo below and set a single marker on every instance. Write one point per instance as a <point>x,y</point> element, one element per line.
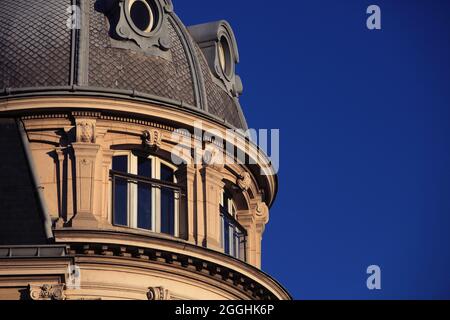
<point>107,156</point>
<point>85,163</point>
<point>85,153</point>
<point>212,188</point>
<point>62,208</point>
<point>262,217</point>
<point>186,178</point>
<point>247,220</point>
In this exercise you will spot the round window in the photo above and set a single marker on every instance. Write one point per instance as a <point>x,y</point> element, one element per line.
<point>143,14</point>
<point>224,55</point>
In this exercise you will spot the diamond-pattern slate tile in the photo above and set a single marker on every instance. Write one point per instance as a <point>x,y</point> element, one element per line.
<point>34,43</point>
<point>220,103</point>
<point>35,49</point>
<point>125,69</point>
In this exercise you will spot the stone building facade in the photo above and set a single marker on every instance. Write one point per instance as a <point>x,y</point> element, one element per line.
<point>94,97</point>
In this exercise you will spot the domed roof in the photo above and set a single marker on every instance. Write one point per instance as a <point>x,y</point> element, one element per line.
<point>137,49</point>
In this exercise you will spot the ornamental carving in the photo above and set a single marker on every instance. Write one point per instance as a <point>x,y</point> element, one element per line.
<point>262,212</point>
<point>146,31</point>
<point>158,293</point>
<point>152,139</point>
<point>244,181</point>
<point>212,157</point>
<point>47,292</point>
<point>85,130</point>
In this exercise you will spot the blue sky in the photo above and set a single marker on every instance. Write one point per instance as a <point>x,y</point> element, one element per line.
<point>365,139</point>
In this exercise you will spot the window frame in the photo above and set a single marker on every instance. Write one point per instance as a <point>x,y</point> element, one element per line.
<point>234,229</point>
<point>132,194</point>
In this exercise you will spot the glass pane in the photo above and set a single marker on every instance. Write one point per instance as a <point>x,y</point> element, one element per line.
<point>167,211</point>
<point>145,195</point>
<point>121,202</point>
<point>226,229</point>
<point>120,206</point>
<point>144,206</point>
<point>226,201</point>
<point>120,163</point>
<point>242,241</point>
<point>167,202</point>
<point>231,233</point>
<point>144,167</point>
<point>166,173</point>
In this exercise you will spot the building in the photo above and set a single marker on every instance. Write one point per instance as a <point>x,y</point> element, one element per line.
<point>94,203</point>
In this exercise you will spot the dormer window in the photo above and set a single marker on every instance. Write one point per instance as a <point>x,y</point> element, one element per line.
<point>140,25</point>
<point>234,236</point>
<point>143,14</point>
<point>145,195</point>
<point>219,46</point>
<point>224,56</point>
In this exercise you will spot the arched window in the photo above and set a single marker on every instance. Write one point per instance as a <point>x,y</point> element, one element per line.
<point>234,236</point>
<point>145,194</point>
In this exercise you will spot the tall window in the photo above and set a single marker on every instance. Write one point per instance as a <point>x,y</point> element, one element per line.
<point>145,194</point>
<point>234,236</point>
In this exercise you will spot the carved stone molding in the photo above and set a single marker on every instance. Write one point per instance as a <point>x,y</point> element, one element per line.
<point>47,292</point>
<point>177,260</point>
<point>152,139</point>
<point>244,181</point>
<point>153,38</point>
<point>212,157</point>
<point>261,209</point>
<point>158,293</point>
<point>85,129</point>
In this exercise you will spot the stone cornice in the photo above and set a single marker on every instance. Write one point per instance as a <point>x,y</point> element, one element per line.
<point>176,253</point>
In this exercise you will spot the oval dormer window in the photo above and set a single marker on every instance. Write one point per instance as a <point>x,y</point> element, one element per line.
<point>225,57</point>
<point>143,14</point>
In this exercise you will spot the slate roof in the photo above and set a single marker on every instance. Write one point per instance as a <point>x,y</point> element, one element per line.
<point>36,52</point>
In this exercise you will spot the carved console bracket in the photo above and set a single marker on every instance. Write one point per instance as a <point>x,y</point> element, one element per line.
<point>47,292</point>
<point>151,139</point>
<point>85,126</point>
<point>244,181</point>
<point>158,293</point>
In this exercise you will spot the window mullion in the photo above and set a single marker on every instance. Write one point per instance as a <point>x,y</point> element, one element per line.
<point>156,196</point>
<point>133,196</point>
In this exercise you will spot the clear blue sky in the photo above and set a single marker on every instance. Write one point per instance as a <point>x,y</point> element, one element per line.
<point>365,139</point>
